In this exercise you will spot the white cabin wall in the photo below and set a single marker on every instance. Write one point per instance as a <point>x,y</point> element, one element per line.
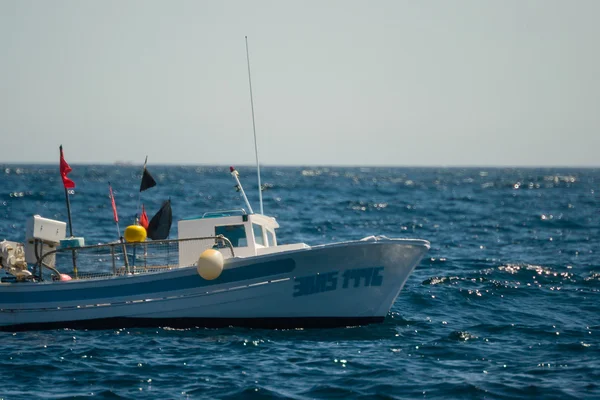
<point>205,227</point>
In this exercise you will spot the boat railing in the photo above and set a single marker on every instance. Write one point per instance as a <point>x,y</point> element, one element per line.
<point>115,259</point>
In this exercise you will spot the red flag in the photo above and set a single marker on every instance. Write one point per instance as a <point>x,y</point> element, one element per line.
<point>64,171</point>
<point>144,218</point>
<point>114,205</point>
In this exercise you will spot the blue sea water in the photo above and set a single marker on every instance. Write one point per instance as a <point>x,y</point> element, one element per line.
<point>505,305</point>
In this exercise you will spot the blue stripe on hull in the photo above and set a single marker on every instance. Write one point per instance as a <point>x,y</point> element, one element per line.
<point>160,284</point>
<point>263,323</point>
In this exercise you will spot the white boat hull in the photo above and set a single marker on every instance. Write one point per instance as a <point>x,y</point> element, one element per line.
<point>324,286</point>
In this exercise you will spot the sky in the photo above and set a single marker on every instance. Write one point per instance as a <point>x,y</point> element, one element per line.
<point>407,83</point>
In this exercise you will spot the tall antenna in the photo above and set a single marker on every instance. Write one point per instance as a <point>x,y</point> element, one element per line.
<point>254,129</point>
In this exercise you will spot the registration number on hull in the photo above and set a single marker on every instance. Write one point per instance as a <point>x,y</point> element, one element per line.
<point>329,281</point>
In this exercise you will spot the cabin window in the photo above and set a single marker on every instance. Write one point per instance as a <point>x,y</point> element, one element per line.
<point>271,237</point>
<point>235,233</point>
<point>258,234</point>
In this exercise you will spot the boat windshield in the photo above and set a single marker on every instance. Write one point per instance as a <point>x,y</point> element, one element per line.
<point>235,233</point>
<point>258,234</point>
<point>271,237</point>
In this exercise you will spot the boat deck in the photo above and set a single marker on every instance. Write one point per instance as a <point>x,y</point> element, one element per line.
<point>118,259</point>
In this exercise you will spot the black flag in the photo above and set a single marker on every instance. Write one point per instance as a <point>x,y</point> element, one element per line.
<point>147,179</point>
<point>160,225</point>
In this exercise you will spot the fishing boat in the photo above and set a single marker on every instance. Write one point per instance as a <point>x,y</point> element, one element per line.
<point>225,268</point>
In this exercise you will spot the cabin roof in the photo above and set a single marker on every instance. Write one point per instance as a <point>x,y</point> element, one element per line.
<point>226,217</point>
<point>218,214</point>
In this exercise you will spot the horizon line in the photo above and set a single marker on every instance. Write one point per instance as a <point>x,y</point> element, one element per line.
<point>168,164</point>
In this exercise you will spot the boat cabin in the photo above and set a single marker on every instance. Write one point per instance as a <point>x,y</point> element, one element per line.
<point>250,234</point>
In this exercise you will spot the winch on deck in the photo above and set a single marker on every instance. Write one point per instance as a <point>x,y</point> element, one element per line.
<point>12,259</point>
<point>42,236</point>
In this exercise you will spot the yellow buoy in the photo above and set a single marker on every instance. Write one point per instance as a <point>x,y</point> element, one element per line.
<point>210,264</point>
<point>135,233</point>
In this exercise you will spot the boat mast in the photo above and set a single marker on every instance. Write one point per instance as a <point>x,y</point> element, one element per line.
<point>254,130</point>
